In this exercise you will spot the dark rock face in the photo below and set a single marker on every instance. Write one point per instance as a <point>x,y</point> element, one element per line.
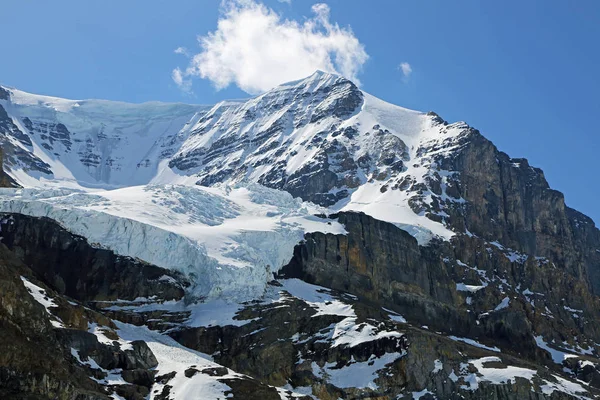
<point>511,202</point>
<point>5,179</point>
<point>332,167</point>
<point>251,390</point>
<point>324,180</point>
<point>68,263</point>
<point>4,94</point>
<point>505,200</point>
<point>50,353</point>
<point>140,357</point>
<point>50,133</point>
<point>381,263</point>
<point>32,360</point>
<point>346,99</point>
<point>288,341</point>
<point>7,126</point>
<point>14,155</point>
<point>281,341</point>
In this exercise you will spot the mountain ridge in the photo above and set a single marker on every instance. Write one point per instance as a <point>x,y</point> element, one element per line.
<point>445,267</point>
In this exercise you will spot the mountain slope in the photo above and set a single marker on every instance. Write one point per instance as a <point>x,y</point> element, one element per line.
<point>489,281</point>
<point>309,339</point>
<point>320,138</point>
<point>93,143</point>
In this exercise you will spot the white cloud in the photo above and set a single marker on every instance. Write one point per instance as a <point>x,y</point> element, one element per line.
<point>256,49</point>
<point>183,51</point>
<point>183,83</point>
<point>406,69</point>
<point>285,1</point>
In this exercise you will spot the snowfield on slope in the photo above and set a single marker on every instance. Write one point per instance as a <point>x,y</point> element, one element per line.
<point>227,239</point>
<point>112,145</point>
<point>174,357</point>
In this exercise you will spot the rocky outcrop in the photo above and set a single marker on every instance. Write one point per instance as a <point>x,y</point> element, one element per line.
<point>53,347</point>
<point>283,342</point>
<point>47,350</point>
<point>258,139</point>
<point>4,94</point>
<point>5,179</point>
<point>32,360</point>
<point>51,134</point>
<point>13,154</point>
<point>294,341</point>
<point>506,200</point>
<point>73,267</point>
<point>288,340</point>
<point>381,263</point>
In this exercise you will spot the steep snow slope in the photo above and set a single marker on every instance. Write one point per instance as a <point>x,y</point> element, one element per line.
<point>322,140</point>
<point>93,143</point>
<point>228,239</point>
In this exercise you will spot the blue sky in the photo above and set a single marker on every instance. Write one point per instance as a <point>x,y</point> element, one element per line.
<point>524,73</point>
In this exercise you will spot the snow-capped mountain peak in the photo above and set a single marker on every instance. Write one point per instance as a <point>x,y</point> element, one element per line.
<point>319,138</point>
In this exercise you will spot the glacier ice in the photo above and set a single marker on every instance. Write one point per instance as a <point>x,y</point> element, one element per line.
<point>227,239</point>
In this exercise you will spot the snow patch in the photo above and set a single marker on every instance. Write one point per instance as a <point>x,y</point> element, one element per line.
<point>503,304</point>
<point>41,297</point>
<point>557,356</point>
<point>437,366</point>
<point>461,287</point>
<point>172,356</point>
<point>474,343</point>
<point>356,374</point>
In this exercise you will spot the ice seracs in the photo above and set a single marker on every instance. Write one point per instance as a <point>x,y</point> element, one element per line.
<point>228,239</point>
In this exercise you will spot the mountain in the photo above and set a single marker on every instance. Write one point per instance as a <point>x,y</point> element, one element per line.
<point>311,242</point>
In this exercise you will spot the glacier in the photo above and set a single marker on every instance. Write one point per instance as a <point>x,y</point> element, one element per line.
<point>228,240</point>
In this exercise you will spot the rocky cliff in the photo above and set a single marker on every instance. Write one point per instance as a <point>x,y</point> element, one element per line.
<point>510,202</point>
<point>467,287</point>
<point>5,179</point>
<point>401,311</point>
<point>83,272</point>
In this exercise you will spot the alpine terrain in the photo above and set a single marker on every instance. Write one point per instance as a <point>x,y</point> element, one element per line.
<point>313,242</point>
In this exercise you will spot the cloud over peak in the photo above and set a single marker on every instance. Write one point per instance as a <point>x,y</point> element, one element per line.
<point>406,69</point>
<point>256,49</point>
